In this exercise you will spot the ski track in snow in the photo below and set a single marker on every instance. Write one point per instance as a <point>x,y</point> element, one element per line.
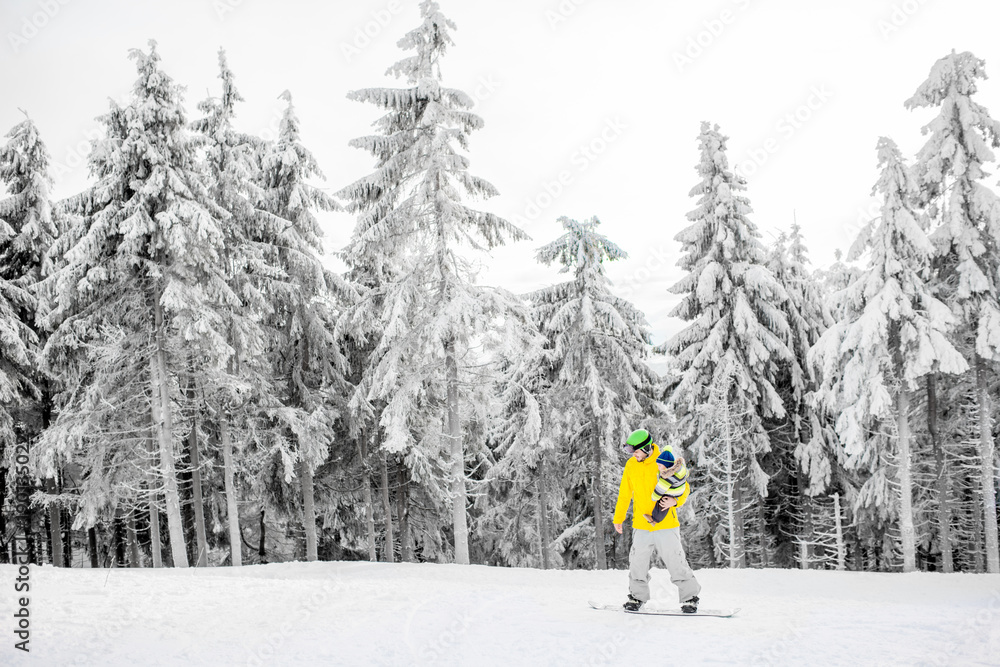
<point>360,613</point>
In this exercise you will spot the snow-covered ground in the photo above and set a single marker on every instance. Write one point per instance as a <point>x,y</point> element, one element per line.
<point>403,614</point>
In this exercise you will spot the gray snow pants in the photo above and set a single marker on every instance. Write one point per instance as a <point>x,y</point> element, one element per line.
<point>667,542</point>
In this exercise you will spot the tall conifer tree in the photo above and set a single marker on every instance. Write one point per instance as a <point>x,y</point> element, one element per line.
<point>423,307</point>
<point>737,332</point>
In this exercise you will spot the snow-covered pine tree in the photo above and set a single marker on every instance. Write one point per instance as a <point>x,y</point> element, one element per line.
<point>804,445</point>
<point>139,291</point>
<point>731,425</point>
<point>423,308</point>
<point>737,333</point>
<point>522,506</point>
<point>603,386</point>
<point>27,229</point>
<point>307,356</point>
<point>243,391</point>
<point>966,213</point>
<point>897,332</point>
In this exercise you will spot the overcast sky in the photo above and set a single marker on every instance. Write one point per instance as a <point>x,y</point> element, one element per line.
<point>592,107</point>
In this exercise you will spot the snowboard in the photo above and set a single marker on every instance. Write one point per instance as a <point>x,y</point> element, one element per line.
<point>716,613</point>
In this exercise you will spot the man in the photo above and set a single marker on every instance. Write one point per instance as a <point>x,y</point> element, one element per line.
<point>638,482</point>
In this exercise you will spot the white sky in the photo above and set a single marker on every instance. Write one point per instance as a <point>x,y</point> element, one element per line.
<point>550,77</point>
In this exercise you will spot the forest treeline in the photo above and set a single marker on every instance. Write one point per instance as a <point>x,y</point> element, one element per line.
<point>184,382</point>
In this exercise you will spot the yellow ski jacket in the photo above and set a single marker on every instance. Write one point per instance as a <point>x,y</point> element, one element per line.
<point>638,482</point>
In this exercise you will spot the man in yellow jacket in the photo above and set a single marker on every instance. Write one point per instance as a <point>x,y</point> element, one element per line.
<point>638,482</point>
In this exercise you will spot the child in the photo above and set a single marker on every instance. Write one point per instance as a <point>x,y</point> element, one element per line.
<point>672,482</point>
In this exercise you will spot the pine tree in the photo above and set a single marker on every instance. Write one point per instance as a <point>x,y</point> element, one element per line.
<point>422,310</point>
<point>524,501</point>
<point>27,229</point>
<point>600,343</point>
<point>140,291</point>
<point>242,393</point>
<point>736,334</point>
<point>897,333</point>
<point>948,172</point>
<point>306,352</point>
<point>804,446</point>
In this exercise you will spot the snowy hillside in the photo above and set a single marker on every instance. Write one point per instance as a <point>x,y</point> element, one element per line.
<point>372,613</point>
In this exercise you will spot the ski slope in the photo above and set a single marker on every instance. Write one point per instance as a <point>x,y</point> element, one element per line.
<point>364,613</point>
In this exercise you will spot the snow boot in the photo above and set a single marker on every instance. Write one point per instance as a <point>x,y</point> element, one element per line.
<point>690,606</point>
<point>633,603</point>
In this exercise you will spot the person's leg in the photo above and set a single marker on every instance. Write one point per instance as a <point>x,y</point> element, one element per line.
<point>638,564</point>
<point>671,551</point>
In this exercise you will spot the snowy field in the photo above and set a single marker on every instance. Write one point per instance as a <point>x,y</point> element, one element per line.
<point>405,614</point>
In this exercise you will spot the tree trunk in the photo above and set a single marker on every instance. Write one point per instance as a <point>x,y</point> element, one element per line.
<point>765,559</point>
<point>261,551</point>
<point>31,538</point>
<point>197,500</point>
<point>5,556</point>
<point>808,527</point>
<point>118,531</point>
<point>978,546</point>
<point>92,545</point>
<point>543,514</point>
<point>184,489</point>
<point>133,542</point>
<point>943,478</point>
<point>232,508</point>
<point>47,537</point>
<point>459,495</point>
<point>838,523</point>
<point>164,431</point>
<point>366,494</point>
<point>600,556</point>
<point>387,508</point>
<point>740,517</point>
<point>67,542</point>
<point>987,462</point>
<point>55,525</point>
<point>859,552</point>
<point>308,509</point>
<point>905,481</point>
<point>732,511</point>
<point>156,549</point>
<point>403,511</point>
